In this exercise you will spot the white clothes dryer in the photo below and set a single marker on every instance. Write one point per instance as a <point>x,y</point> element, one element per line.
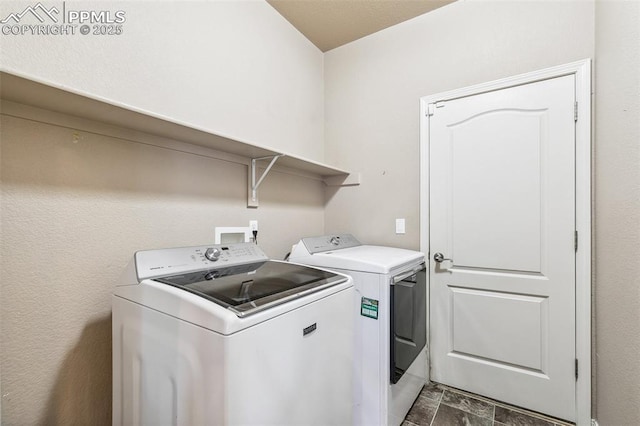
<point>391,321</point>
<point>221,335</point>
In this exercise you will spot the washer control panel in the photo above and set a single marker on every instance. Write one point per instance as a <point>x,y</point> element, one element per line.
<point>330,242</point>
<point>156,263</point>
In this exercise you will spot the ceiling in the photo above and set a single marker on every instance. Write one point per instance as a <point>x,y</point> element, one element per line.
<point>332,23</point>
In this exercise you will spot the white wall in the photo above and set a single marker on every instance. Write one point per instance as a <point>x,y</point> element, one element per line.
<point>617,213</point>
<point>373,86</point>
<point>233,67</point>
<point>79,198</point>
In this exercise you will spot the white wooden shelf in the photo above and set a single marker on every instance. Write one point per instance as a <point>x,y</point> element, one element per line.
<point>64,100</point>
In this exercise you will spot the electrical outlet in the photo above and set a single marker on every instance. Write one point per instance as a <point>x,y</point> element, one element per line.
<point>400,228</point>
<point>253,225</point>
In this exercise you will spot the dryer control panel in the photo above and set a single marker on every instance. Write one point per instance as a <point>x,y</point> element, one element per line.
<point>330,242</point>
<point>156,263</point>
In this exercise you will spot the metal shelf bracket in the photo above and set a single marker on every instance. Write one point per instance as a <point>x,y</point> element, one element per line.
<point>252,200</point>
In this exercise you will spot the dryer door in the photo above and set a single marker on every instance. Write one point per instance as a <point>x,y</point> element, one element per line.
<point>408,320</point>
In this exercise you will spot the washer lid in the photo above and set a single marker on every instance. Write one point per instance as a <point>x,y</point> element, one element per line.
<point>250,288</point>
<point>364,258</point>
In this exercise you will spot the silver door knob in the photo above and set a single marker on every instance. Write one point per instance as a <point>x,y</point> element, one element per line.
<point>439,257</point>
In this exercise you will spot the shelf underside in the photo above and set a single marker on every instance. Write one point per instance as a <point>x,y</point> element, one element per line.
<point>26,91</point>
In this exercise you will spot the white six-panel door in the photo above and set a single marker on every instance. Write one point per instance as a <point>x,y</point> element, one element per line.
<point>502,208</point>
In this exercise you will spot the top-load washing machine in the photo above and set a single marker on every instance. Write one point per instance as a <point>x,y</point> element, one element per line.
<point>391,325</point>
<point>221,335</point>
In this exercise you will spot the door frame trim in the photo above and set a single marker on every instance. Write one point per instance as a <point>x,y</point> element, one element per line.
<point>583,153</point>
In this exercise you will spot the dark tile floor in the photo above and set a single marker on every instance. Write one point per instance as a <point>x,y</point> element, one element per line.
<point>439,405</point>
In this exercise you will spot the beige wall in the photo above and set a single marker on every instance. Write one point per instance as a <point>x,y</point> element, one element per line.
<point>617,212</point>
<point>74,211</point>
<point>78,198</point>
<point>73,214</point>
<point>237,68</point>
<point>373,86</point>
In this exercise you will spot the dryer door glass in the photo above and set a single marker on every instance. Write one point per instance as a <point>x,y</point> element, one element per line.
<point>408,322</point>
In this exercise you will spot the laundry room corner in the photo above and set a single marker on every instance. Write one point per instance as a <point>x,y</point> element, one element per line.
<point>71,221</point>
<point>132,131</point>
<point>80,196</point>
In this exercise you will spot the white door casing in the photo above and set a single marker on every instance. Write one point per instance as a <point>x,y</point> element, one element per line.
<point>501,164</point>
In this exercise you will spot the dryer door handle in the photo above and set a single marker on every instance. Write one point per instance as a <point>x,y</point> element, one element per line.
<point>407,274</point>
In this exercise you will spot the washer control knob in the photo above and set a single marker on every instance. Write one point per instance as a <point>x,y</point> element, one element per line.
<point>335,240</point>
<point>212,254</point>
<point>212,275</point>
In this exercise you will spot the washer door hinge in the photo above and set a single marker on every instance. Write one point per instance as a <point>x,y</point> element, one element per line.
<point>575,111</point>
